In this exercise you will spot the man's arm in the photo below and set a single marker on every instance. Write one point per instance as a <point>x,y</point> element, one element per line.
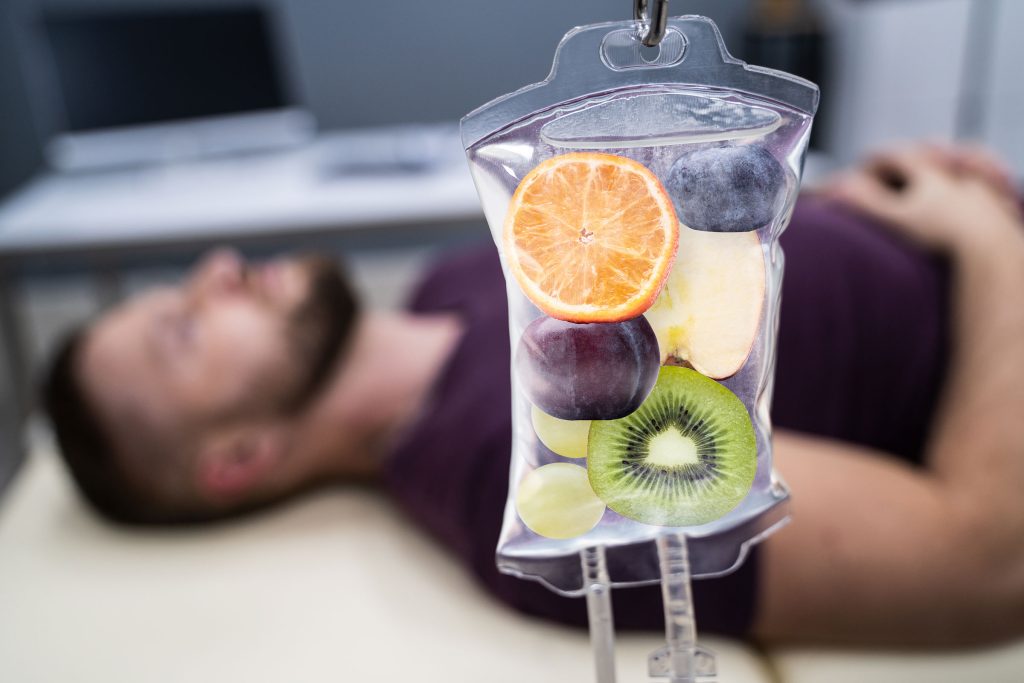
<point>880,552</point>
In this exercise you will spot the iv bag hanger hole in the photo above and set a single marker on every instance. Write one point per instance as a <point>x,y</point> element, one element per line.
<point>622,49</point>
<point>650,55</point>
<point>650,45</point>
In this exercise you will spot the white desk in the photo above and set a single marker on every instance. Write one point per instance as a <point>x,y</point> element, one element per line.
<point>342,181</point>
<point>405,178</point>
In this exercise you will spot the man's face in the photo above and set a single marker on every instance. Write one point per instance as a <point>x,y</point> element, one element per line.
<point>233,342</point>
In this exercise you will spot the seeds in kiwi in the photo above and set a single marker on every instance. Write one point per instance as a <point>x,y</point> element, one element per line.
<point>686,457</point>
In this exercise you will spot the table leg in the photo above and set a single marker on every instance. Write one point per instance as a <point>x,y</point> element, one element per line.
<point>13,378</point>
<point>11,341</point>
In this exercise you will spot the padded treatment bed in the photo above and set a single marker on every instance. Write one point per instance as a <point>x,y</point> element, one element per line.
<point>336,587</point>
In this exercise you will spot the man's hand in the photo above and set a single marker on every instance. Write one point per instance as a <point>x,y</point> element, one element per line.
<point>951,199</point>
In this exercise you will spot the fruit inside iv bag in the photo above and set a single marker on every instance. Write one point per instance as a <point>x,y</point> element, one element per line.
<point>590,237</point>
<point>727,188</point>
<point>588,371</point>
<point>709,310</point>
<point>640,283</point>
<point>685,458</point>
<point>683,452</point>
<point>557,501</point>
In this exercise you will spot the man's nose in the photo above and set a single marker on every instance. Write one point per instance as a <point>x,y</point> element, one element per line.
<point>220,272</point>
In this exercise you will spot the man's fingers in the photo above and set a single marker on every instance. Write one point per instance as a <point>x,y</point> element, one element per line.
<point>973,161</point>
<point>864,191</point>
<point>979,161</point>
<point>903,166</point>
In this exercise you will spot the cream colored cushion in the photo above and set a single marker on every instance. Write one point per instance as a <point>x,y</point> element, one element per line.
<point>338,587</point>
<point>1004,664</point>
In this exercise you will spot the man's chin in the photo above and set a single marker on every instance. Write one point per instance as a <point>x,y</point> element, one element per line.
<point>323,323</point>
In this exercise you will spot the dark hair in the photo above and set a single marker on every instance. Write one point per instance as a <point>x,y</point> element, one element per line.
<point>85,443</point>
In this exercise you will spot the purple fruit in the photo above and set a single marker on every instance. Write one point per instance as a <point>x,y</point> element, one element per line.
<point>588,371</point>
<point>727,189</point>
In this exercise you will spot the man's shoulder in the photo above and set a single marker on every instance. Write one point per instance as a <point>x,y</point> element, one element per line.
<point>461,279</point>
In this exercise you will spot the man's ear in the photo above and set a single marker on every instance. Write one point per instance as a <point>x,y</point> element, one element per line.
<point>237,462</point>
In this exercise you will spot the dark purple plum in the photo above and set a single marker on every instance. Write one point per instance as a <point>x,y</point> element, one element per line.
<point>588,371</point>
<point>727,189</point>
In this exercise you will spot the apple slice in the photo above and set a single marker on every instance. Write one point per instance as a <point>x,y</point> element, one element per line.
<point>709,311</point>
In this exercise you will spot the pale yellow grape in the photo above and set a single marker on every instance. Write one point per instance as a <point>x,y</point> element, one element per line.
<point>567,438</point>
<point>556,501</point>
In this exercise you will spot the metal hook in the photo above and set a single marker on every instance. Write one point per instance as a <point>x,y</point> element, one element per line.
<point>656,25</point>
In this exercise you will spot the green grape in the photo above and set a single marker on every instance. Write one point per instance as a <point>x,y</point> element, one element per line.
<point>567,438</point>
<point>556,501</point>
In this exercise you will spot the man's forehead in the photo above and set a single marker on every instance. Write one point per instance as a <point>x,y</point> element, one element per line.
<point>121,381</point>
<point>117,366</point>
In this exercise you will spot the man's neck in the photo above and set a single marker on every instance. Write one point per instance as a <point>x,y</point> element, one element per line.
<point>378,389</point>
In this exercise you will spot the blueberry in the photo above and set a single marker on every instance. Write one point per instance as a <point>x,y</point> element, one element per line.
<point>727,189</point>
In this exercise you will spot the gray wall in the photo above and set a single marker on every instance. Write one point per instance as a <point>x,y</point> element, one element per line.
<point>367,63</point>
<point>19,151</point>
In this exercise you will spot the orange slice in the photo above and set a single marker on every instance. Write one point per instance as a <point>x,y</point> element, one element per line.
<point>591,237</point>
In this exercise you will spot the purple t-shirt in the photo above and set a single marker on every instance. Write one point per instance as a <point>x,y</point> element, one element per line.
<point>862,343</point>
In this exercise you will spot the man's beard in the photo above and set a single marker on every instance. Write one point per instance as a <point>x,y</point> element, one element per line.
<point>320,329</point>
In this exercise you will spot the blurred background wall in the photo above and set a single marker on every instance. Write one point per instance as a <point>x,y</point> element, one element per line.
<point>912,69</point>
<point>362,63</point>
<point>893,68</point>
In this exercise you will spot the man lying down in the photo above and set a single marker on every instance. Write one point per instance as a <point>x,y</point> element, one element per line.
<point>898,405</point>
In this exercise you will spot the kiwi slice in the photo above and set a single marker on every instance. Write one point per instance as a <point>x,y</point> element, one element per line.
<point>686,457</point>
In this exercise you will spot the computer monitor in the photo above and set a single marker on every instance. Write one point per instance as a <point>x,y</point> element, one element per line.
<point>136,86</point>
